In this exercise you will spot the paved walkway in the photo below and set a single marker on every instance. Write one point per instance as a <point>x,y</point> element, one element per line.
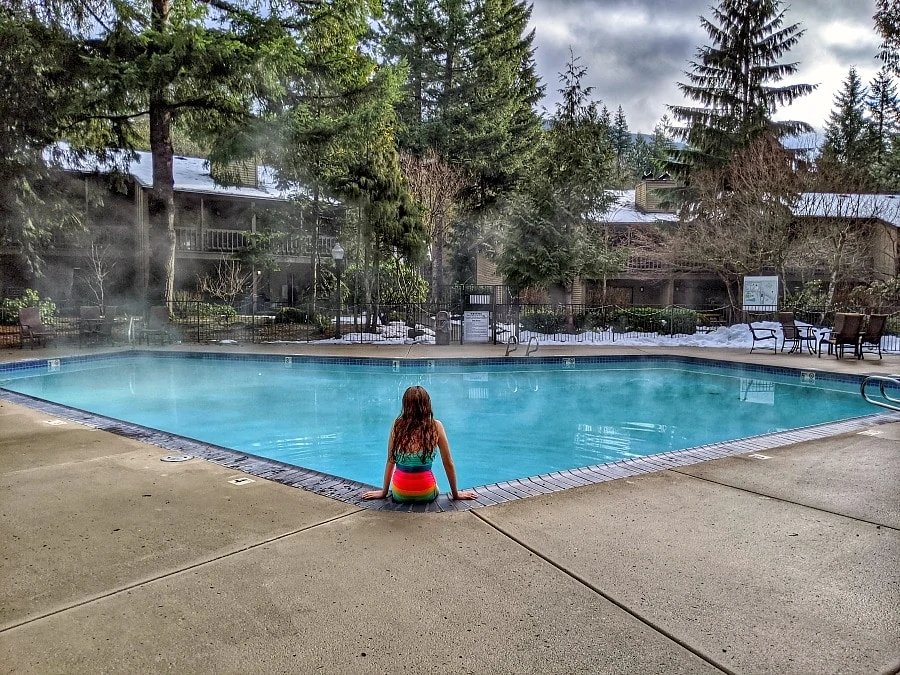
<point>113,561</point>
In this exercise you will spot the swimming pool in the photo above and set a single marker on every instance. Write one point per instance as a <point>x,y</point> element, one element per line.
<point>507,419</point>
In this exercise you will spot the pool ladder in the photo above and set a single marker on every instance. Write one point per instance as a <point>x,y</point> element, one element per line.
<point>883,381</point>
<point>513,345</point>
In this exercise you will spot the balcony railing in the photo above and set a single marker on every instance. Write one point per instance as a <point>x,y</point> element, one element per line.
<point>231,241</point>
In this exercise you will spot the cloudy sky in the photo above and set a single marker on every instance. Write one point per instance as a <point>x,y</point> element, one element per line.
<point>637,50</point>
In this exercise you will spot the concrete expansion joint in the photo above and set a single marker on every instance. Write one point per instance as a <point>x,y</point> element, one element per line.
<point>175,572</point>
<point>786,501</point>
<point>606,596</point>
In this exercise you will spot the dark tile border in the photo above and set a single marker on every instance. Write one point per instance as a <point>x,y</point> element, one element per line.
<point>349,491</point>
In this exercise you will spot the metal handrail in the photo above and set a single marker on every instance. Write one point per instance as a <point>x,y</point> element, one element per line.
<point>883,380</point>
<point>513,344</point>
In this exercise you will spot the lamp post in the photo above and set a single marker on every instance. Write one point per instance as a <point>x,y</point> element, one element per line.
<point>338,254</point>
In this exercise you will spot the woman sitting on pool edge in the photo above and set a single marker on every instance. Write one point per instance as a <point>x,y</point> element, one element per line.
<point>414,435</point>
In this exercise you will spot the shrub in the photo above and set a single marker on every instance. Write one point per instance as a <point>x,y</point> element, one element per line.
<point>323,323</point>
<point>594,318</point>
<point>222,312</point>
<point>9,308</point>
<point>640,320</point>
<point>892,327</point>
<point>547,322</point>
<point>682,321</point>
<point>292,315</point>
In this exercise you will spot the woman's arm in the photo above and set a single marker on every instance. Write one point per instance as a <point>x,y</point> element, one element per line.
<point>388,473</point>
<point>449,467</point>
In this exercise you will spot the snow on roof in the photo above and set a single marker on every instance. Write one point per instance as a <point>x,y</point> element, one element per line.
<point>623,210</point>
<point>191,173</point>
<point>884,207</point>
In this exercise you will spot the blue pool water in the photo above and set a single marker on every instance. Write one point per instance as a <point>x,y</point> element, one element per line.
<point>504,421</point>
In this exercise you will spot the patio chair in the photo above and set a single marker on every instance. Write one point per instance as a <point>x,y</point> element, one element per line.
<point>32,329</point>
<point>796,335</point>
<point>870,338</point>
<point>108,324</point>
<point>760,334</point>
<point>157,325</point>
<point>846,331</point>
<point>89,320</point>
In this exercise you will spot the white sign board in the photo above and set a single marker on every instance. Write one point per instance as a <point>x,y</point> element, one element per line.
<point>476,327</point>
<point>761,293</point>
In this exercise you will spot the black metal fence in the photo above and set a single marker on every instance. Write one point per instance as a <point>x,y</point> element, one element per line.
<point>194,321</point>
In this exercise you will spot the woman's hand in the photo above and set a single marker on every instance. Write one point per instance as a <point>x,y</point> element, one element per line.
<point>375,494</point>
<point>465,494</point>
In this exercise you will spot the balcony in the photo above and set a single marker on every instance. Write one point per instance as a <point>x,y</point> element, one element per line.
<point>232,241</point>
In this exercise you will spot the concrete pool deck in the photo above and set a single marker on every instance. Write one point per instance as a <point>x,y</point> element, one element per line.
<point>114,561</point>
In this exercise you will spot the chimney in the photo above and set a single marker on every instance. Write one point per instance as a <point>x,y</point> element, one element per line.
<point>651,193</point>
<point>240,172</point>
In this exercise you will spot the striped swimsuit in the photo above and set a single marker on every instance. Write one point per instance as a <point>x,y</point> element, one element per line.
<point>413,480</point>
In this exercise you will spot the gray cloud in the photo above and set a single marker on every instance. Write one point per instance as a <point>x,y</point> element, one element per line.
<point>637,50</point>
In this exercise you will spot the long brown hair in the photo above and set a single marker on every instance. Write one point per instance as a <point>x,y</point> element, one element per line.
<point>415,430</point>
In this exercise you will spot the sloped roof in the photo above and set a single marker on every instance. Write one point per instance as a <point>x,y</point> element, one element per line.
<point>623,210</point>
<point>191,174</point>
<point>884,207</point>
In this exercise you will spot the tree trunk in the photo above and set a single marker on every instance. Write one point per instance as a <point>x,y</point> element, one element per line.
<point>438,263</point>
<point>160,286</point>
<point>570,310</point>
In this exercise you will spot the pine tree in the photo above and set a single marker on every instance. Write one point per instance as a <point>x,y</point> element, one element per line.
<point>412,33</point>
<point>887,23</point>
<point>735,82</point>
<point>551,240</point>
<point>39,65</point>
<point>202,65</point>
<point>848,134</point>
<point>883,106</point>
<point>621,143</point>
<point>478,79</point>
<point>662,148</point>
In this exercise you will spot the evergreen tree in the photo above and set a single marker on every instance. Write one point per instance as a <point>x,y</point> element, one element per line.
<point>478,83</point>
<point>334,122</point>
<point>662,148</point>
<point>552,237</point>
<point>202,65</point>
<point>848,134</point>
<point>621,144</point>
<point>411,36</point>
<point>887,23</point>
<point>39,65</point>
<point>638,159</point>
<point>883,105</point>
<point>735,83</point>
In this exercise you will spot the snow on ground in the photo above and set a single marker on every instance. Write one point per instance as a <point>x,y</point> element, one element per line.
<point>737,337</point>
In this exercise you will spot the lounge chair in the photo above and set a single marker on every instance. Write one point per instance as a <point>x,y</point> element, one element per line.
<point>846,331</point>
<point>870,338</point>
<point>796,335</point>
<point>760,334</point>
<point>32,329</point>
<point>156,326</point>
<point>89,320</point>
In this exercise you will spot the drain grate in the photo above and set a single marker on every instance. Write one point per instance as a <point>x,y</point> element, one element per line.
<point>176,458</point>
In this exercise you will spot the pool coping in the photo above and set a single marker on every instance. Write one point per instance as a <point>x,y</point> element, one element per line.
<point>350,491</point>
